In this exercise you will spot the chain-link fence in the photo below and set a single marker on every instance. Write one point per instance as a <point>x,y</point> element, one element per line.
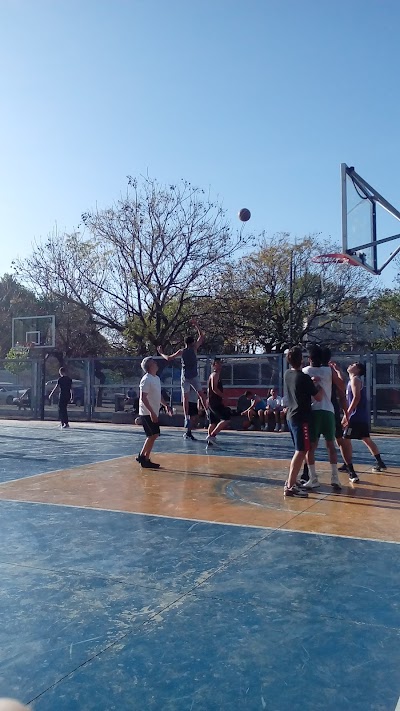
<point>103,387</point>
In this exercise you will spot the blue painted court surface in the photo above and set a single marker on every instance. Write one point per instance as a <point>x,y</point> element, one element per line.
<point>107,610</point>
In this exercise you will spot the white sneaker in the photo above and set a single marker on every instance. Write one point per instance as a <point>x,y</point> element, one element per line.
<point>277,428</point>
<point>335,483</point>
<point>311,483</point>
<point>211,441</point>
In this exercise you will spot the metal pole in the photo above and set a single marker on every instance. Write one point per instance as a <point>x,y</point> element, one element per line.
<point>291,299</point>
<point>343,174</point>
<point>373,377</point>
<point>42,372</point>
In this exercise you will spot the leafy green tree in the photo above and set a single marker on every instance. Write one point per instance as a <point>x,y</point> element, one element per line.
<point>15,361</point>
<point>278,296</point>
<point>384,311</point>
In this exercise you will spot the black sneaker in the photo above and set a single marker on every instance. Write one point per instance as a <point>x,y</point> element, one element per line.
<point>146,463</point>
<point>379,467</point>
<point>353,478</point>
<point>188,435</point>
<point>151,465</point>
<point>295,491</point>
<point>305,475</point>
<point>343,468</point>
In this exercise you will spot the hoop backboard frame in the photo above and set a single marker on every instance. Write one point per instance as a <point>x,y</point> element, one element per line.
<point>365,253</point>
<point>39,331</point>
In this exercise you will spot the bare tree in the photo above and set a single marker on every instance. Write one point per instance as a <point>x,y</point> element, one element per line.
<point>137,264</point>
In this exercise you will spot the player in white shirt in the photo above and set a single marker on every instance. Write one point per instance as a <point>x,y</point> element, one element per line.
<point>274,407</point>
<point>150,399</point>
<point>323,418</point>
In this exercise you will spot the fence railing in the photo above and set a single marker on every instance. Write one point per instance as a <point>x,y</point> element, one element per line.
<point>104,386</point>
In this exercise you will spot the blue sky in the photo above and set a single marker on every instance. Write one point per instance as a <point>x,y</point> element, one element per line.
<point>259,99</point>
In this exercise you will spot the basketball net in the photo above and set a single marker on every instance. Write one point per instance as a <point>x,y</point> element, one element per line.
<point>335,258</point>
<point>24,349</point>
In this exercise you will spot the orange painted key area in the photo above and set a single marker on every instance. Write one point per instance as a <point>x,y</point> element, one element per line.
<point>238,490</point>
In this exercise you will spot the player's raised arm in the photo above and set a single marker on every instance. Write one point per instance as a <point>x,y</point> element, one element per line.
<point>200,334</point>
<point>177,354</point>
<point>337,377</point>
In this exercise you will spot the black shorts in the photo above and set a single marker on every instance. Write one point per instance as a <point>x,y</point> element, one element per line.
<point>151,428</point>
<point>217,414</point>
<point>357,430</point>
<point>338,426</point>
<point>193,409</point>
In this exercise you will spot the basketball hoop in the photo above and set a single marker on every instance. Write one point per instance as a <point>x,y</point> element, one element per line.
<point>336,258</point>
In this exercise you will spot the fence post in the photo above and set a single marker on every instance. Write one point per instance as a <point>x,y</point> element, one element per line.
<point>88,388</point>
<point>368,381</point>
<point>35,389</point>
<point>282,372</point>
<point>374,403</point>
<point>38,387</point>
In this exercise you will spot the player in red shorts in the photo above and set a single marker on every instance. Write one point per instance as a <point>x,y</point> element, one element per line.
<point>299,389</point>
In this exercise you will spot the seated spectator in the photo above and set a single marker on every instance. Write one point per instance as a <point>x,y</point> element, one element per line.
<point>273,411</point>
<point>256,413</point>
<point>132,400</point>
<point>284,425</point>
<point>24,400</point>
<point>244,402</point>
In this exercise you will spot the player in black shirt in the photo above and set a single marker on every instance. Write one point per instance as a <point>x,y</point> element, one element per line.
<point>64,383</point>
<point>299,389</point>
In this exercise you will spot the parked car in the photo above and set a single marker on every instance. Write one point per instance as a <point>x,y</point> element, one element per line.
<point>8,391</point>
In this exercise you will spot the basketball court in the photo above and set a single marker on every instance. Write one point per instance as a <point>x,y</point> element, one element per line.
<point>196,586</point>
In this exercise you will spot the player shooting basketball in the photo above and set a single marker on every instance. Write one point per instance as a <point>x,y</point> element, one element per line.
<point>189,375</point>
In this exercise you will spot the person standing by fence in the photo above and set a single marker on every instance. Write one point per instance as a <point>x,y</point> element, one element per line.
<point>64,384</point>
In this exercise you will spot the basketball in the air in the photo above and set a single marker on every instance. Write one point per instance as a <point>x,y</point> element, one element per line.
<point>244,214</point>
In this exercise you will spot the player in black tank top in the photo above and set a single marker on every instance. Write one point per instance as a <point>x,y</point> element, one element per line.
<point>218,414</point>
<point>215,400</point>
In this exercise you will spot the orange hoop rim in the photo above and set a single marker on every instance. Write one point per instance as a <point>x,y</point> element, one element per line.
<point>335,258</point>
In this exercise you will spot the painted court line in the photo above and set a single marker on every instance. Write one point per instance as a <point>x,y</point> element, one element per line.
<point>60,471</point>
<point>202,520</point>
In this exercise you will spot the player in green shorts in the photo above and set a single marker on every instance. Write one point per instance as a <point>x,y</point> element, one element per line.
<point>323,419</point>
